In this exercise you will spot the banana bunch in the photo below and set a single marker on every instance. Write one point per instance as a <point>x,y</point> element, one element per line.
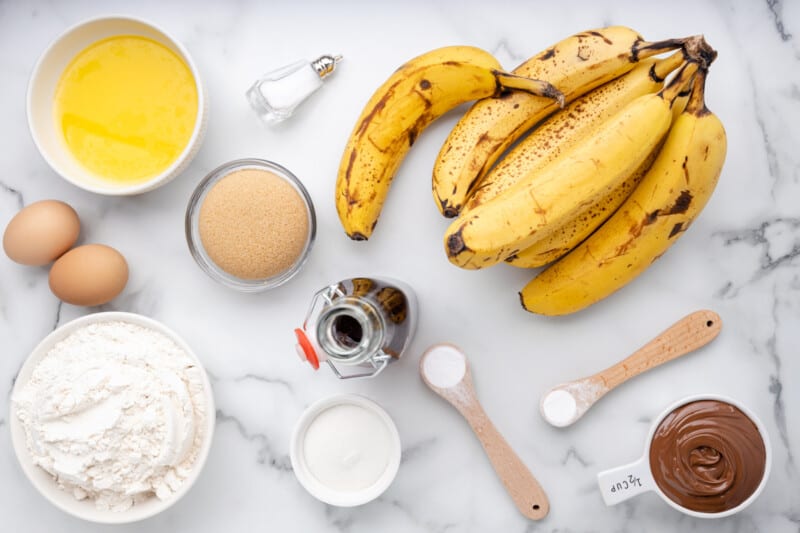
<point>619,155</point>
<point>545,201</point>
<point>660,209</point>
<point>603,188</point>
<point>429,85</point>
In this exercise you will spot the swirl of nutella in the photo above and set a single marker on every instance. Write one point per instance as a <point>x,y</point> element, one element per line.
<point>707,456</point>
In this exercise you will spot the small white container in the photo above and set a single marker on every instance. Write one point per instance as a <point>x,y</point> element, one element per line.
<point>328,494</point>
<point>41,92</point>
<point>44,482</point>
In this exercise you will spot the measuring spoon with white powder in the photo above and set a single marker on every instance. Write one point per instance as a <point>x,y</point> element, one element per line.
<point>564,404</point>
<point>444,368</point>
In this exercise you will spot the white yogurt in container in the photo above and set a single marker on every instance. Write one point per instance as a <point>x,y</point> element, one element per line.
<point>345,450</point>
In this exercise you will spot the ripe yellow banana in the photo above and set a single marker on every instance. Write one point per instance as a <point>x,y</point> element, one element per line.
<point>581,226</point>
<point>558,134</point>
<point>414,95</point>
<point>565,128</point>
<point>534,208</point>
<point>665,203</point>
<point>575,65</point>
<point>558,243</point>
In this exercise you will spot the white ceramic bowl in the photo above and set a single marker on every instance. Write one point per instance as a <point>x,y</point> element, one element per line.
<point>44,482</point>
<point>41,92</point>
<point>313,485</point>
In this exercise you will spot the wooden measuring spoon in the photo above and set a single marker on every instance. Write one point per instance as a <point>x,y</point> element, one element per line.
<point>564,404</point>
<point>445,369</point>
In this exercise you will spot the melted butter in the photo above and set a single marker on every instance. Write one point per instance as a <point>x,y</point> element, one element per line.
<point>126,107</point>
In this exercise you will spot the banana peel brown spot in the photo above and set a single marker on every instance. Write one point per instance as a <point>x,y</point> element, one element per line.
<point>649,218</point>
<point>424,85</point>
<point>654,75</point>
<point>685,170</point>
<point>600,35</point>
<point>677,228</point>
<point>351,160</point>
<point>424,97</point>
<point>634,52</point>
<point>455,243</point>
<point>550,52</point>
<point>381,149</point>
<point>584,53</point>
<point>522,301</point>
<point>449,211</point>
<point>365,122</point>
<point>347,174</point>
<point>656,258</point>
<point>388,95</point>
<point>412,136</point>
<point>420,124</point>
<point>682,203</point>
<point>680,206</point>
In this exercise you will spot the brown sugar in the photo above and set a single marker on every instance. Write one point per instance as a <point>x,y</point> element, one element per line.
<point>253,224</point>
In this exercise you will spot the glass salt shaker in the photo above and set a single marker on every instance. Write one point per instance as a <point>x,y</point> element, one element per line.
<point>362,323</point>
<point>276,95</point>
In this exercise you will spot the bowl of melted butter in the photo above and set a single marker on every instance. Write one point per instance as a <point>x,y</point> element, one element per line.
<point>116,106</point>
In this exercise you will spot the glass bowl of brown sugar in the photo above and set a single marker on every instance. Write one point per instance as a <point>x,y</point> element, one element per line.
<point>250,224</point>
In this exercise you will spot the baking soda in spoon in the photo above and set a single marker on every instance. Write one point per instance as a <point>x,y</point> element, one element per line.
<point>444,368</point>
<point>566,403</point>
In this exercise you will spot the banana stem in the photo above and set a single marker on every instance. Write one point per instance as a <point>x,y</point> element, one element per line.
<point>697,102</point>
<point>645,49</point>
<point>506,80</point>
<point>698,49</point>
<point>695,48</point>
<point>679,82</point>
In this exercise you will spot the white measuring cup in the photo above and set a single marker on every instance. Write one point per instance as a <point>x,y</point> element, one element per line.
<point>624,482</point>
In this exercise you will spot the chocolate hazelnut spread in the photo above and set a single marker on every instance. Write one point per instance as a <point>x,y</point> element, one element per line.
<point>707,456</point>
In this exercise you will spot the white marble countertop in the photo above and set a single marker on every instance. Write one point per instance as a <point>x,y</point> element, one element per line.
<point>740,258</point>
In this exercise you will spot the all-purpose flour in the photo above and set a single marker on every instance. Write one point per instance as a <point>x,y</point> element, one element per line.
<point>115,412</point>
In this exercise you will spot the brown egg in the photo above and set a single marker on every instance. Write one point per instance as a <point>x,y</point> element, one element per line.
<point>89,275</point>
<point>41,232</point>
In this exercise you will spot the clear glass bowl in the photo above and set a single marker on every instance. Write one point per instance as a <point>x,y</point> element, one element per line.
<point>193,232</point>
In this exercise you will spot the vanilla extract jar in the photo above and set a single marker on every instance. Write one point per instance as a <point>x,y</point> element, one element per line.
<point>358,326</point>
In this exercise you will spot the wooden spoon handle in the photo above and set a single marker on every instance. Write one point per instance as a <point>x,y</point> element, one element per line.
<point>686,335</point>
<point>528,495</point>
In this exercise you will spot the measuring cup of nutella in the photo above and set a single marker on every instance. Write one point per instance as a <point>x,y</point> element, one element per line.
<point>707,456</point>
<point>358,326</point>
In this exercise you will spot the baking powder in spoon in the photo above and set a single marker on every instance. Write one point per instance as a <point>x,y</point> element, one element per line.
<point>444,367</point>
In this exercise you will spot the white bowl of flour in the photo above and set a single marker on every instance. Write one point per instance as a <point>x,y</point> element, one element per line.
<point>112,417</point>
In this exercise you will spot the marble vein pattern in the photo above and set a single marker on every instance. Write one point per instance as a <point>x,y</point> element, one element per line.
<point>741,258</point>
